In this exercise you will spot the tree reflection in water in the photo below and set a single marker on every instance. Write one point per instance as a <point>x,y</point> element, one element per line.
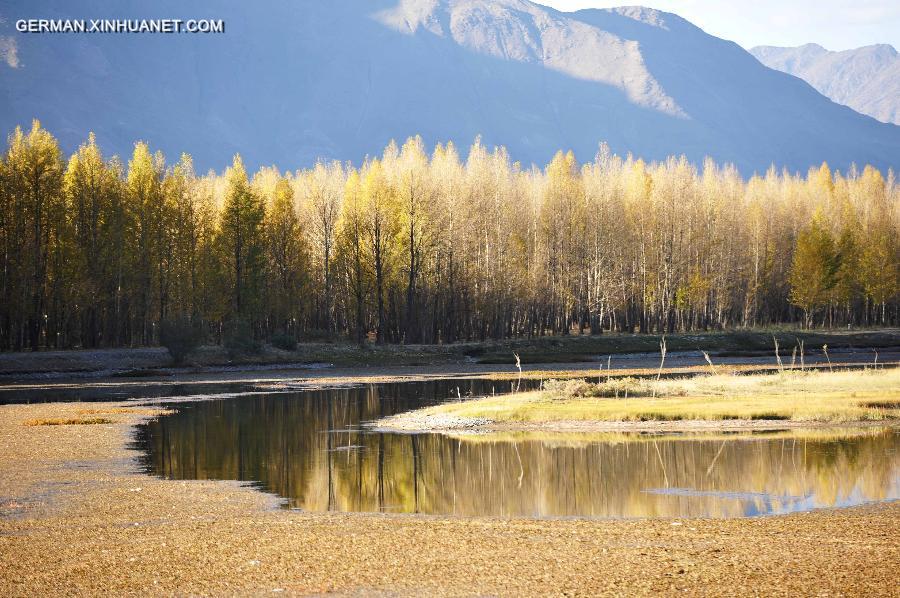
<point>308,448</point>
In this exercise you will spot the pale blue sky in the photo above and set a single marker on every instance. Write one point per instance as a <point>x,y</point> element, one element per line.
<point>835,24</point>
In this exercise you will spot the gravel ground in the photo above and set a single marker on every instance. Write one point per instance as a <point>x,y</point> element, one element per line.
<point>153,363</point>
<point>76,517</point>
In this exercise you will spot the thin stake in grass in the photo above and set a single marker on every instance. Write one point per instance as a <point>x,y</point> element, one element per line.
<point>662,361</point>
<point>825,350</point>
<point>709,361</point>
<point>662,353</point>
<point>519,366</point>
<point>609,365</point>
<point>777,356</point>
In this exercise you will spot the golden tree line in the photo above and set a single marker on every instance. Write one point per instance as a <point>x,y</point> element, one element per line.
<point>417,247</point>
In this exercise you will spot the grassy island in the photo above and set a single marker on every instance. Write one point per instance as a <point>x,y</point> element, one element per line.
<point>796,396</point>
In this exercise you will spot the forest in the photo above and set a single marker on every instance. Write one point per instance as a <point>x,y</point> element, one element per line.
<point>421,245</point>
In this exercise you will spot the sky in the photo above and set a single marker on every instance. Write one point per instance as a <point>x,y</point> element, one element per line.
<point>834,24</point>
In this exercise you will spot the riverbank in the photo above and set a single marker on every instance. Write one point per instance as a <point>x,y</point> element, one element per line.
<point>785,399</point>
<point>620,350</point>
<point>77,516</point>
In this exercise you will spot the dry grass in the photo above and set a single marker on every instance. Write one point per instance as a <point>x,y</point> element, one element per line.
<point>68,421</point>
<point>143,411</point>
<point>81,420</point>
<point>799,396</point>
<point>648,369</point>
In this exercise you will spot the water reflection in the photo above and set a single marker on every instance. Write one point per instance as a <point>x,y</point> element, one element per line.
<point>308,448</point>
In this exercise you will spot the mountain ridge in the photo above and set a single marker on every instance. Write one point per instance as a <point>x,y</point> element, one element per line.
<point>866,79</point>
<point>338,81</point>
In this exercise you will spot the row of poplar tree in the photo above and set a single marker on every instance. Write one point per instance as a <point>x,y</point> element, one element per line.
<point>412,247</point>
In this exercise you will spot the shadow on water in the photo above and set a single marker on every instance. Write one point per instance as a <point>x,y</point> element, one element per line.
<point>309,448</point>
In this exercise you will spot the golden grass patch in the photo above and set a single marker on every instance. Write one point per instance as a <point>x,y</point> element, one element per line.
<point>124,411</point>
<point>816,396</point>
<point>68,421</point>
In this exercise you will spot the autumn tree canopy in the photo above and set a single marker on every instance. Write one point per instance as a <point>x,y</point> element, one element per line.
<point>413,246</point>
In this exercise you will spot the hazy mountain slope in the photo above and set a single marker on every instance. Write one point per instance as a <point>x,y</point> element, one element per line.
<point>292,81</point>
<point>866,79</point>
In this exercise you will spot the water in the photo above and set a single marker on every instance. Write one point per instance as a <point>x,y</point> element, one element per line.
<point>118,392</point>
<point>310,448</point>
<point>166,391</point>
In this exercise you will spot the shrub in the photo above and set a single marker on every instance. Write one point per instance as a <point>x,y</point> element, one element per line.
<point>180,335</point>
<point>621,387</point>
<point>613,388</point>
<point>568,389</point>
<point>239,340</point>
<point>284,341</point>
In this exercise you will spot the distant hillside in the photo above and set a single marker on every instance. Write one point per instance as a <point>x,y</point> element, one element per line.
<point>292,81</point>
<point>866,79</point>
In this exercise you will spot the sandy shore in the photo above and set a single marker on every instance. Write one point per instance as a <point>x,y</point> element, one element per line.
<point>77,517</point>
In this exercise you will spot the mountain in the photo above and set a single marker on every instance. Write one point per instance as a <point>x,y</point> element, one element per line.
<point>866,79</point>
<point>292,81</point>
